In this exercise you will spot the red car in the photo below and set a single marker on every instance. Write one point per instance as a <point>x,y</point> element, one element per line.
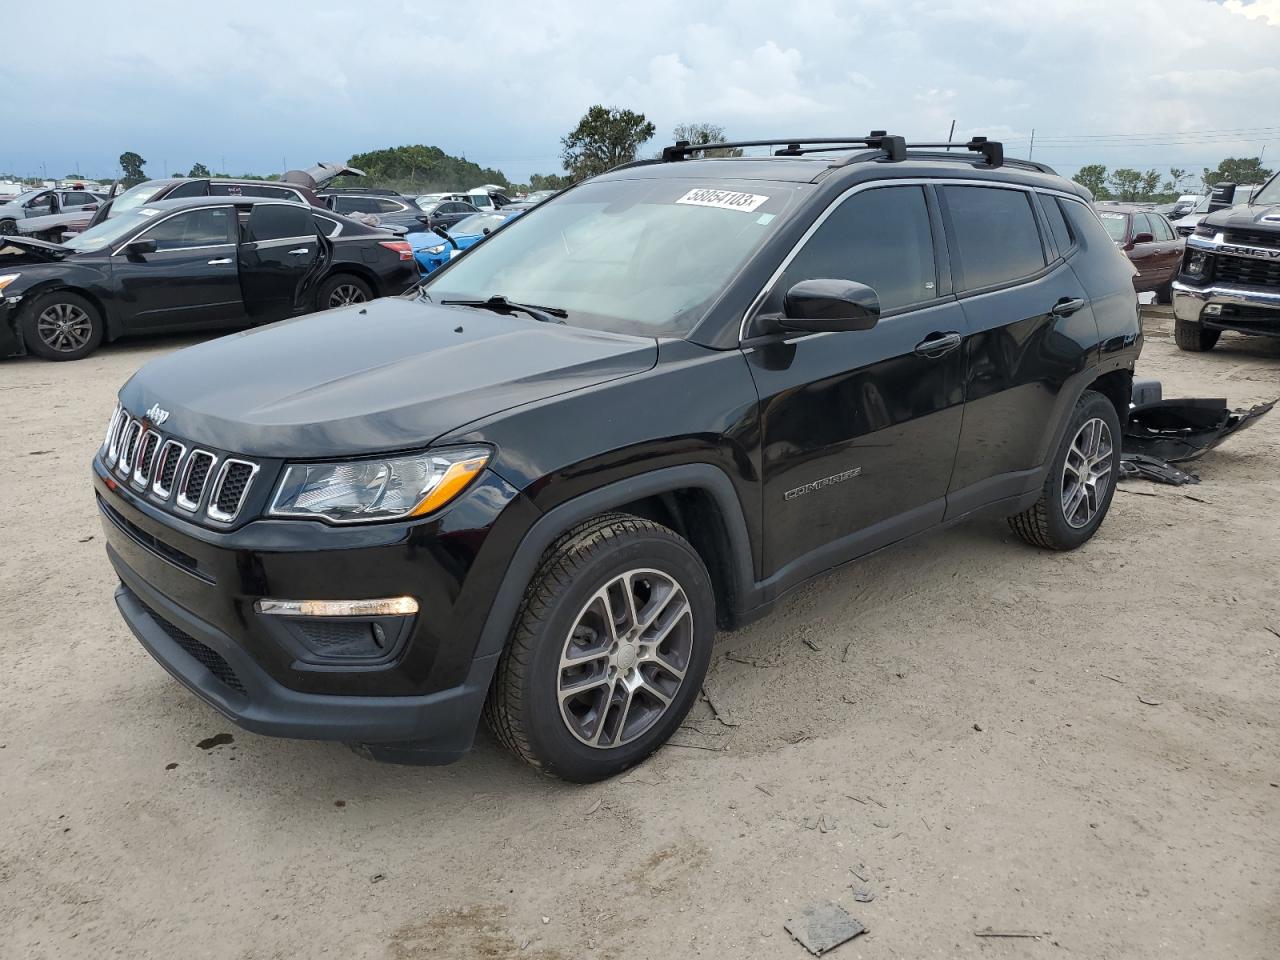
<point>1150,242</point>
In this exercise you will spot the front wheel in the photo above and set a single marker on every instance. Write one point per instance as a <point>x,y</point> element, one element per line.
<point>608,652</point>
<point>1082,479</point>
<point>8,228</point>
<point>1194,337</point>
<point>342,290</point>
<point>61,326</point>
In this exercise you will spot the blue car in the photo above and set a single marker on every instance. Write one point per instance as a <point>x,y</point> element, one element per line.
<point>432,250</point>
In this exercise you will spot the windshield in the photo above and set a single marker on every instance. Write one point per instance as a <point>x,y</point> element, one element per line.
<point>132,198</point>
<point>1269,194</point>
<point>645,257</point>
<point>1116,223</point>
<point>428,206</point>
<point>477,223</point>
<point>108,232</point>
<point>29,195</point>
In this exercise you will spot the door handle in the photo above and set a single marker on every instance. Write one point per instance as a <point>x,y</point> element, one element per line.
<point>1066,306</point>
<point>301,251</point>
<point>219,262</point>
<point>935,346</point>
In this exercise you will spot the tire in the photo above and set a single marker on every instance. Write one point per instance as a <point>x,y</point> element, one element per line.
<point>1194,337</point>
<point>341,290</point>
<point>602,731</point>
<point>1064,518</point>
<point>8,228</point>
<point>61,326</point>
<point>1164,294</point>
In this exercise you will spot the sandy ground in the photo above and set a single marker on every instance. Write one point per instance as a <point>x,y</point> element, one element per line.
<point>965,731</point>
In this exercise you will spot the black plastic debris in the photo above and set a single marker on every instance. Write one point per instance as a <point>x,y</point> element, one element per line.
<point>1164,432</point>
<point>823,927</point>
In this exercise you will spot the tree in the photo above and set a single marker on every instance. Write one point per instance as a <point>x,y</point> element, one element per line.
<point>548,181</point>
<point>1093,177</point>
<point>1174,183</point>
<point>705,133</point>
<point>1126,182</point>
<point>1247,170</point>
<point>604,138</point>
<point>199,170</point>
<point>131,166</point>
<point>420,168</point>
<point>1150,183</point>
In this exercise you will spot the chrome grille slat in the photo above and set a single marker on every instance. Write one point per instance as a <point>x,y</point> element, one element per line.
<point>128,444</point>
<point>195,477</point>
<point>113,448</point>
<point>230,489</point>
<point>166,468</point>
<point>147,447</point>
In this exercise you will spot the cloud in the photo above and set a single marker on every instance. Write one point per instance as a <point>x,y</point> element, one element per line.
<point>249,88</point>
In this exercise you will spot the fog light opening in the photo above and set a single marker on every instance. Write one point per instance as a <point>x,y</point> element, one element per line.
<point>1213,310</point>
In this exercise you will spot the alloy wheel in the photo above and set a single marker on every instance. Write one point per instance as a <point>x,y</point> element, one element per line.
<point>64,327</point>
<point>345,294</point>
<point>625,658</point>
<point>1086,473</point>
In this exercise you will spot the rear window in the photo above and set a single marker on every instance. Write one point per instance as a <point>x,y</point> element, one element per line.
<point>1057,224</point>
<point>997,240</point>
<point>1085,224</point>
<point>1116,224</point>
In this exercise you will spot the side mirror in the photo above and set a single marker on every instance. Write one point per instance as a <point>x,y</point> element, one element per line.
<point>822,306</point>
<point>140,247</point>
<point>1224,195</point>
<point>1144,238</point>
<point>487,231</point>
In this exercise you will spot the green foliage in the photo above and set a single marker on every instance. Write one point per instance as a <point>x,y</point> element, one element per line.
<point>1093,178</point>
<point>705,133</point>
<point>1243,170</point>
<point>549,181</point>
<point>199,170</point>
<point>423,169</point>
<point>131,168</point>
<point>604,138</point>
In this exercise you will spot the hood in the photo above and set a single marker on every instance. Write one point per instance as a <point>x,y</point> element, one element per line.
<point>1245,217</point>
<point>322,174</point>
<point>392,374</point>
<point>15,251</point>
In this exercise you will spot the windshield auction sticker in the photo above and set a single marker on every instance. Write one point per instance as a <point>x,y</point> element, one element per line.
<point>724,199</point>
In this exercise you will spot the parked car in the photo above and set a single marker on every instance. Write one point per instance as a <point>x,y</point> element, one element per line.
<point>44,203</point>
<point>537,196</point>
<point>1230,276</point>
<point>444,213</point>
<point>1148,240</point>
<point>641,414</point>
<point>387,205</point>
<point>58,226</point>
<point>299,186</point>
<point>190,264</point>
<point>463,235</point>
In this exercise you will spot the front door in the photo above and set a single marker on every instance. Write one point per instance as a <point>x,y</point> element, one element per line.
<point>190,280</point>
<point>279,248</point>
<point>859,429</point>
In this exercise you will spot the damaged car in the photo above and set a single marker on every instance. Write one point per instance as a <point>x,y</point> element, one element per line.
<point>199,263</point>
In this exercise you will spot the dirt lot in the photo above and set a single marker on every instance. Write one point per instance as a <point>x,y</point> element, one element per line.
<point>962,710</point>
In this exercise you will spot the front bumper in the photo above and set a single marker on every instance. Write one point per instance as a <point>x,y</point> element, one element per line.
<point>1243,309</point>
<point>188,595</point>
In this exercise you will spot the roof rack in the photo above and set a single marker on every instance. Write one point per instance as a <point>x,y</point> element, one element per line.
<point>375,191</point>
<point>893,148</point>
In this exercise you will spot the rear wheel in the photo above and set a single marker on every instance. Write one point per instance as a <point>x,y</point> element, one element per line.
<point>8,228</point>
<point>608,652</point>
<point>1194,337</point>
<point>61,326</point>
<point>1082,479</point>
<point>342,290</point>
<point>1164,294</point>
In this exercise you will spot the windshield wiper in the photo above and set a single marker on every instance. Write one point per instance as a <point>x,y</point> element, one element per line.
<point>500,304</point>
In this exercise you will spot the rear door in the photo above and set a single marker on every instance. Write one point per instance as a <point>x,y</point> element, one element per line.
<point>1170,244</point>
<point>1146,253</point>
<point>859,428</point>
<point>190,280</point>
<point>279,249</point>
<point>1029,330</point>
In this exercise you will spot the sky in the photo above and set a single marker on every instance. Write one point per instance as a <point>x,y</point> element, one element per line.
<point>258,86</point>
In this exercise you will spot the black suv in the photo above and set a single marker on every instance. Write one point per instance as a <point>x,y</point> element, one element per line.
<point>642,411</point>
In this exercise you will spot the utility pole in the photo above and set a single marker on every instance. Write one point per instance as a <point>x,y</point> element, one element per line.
<point>951,133</point>
<point>1033,143</point>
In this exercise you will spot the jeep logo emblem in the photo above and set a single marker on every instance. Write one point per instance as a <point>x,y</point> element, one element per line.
<point>157,414</point>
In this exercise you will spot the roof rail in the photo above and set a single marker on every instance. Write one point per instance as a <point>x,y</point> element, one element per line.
<point>893,148</point>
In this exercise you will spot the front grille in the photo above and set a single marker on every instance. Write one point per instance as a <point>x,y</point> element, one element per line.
<point>1258,273</point>
<point>207,657</point>
<point>193,480</point>
<point>1251,238</point>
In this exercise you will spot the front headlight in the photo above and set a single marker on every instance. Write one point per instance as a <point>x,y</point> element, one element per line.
<point>437,249</point>
<point>388,488</point>
<point>1196,262</point>
<point>8,278</point>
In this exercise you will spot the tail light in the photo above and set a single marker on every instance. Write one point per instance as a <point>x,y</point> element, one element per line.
<point>399,246</point>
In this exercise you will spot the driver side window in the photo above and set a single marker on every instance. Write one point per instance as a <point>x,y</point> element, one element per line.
<point>881,237</point>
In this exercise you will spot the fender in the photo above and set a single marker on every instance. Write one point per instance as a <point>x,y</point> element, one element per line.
<point>564,517</point>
